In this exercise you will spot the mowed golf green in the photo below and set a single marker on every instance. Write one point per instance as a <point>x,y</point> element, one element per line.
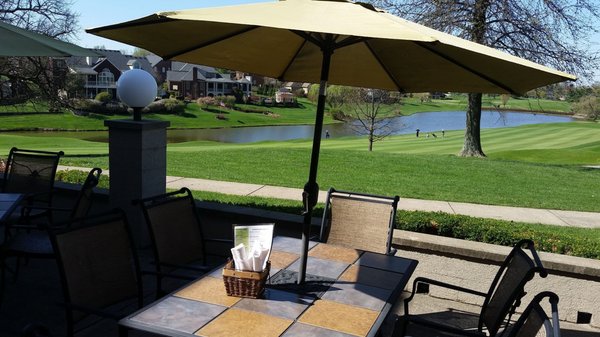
<point>540,166</point>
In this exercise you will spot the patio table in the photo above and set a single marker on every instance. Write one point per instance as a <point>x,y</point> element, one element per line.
<point>347,293</point>
<point>8,203</point>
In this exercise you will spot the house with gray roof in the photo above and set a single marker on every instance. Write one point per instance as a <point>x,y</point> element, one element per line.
<point>193,80</point>
<point>100,74</point>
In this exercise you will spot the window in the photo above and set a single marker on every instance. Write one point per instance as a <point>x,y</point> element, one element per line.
<point>175,87</point>
<point>105,77</point>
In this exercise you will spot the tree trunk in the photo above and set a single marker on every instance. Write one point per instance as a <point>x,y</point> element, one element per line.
<point>472,144</point>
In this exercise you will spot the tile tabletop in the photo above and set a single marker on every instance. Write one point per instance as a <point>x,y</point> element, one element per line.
<point>347,293</point>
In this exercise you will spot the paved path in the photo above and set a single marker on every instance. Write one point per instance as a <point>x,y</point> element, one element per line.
<point>521,214</point>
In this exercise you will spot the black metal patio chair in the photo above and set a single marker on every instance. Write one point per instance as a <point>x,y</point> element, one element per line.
<point>29,237</point>
<point>31,173</point>
<point>360,221</point>
<point>499,303</point>
<point>534,318</point>
<point>99,268</point>
<point>178,241</point>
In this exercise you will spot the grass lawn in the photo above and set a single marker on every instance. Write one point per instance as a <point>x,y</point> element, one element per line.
<point>514,174</point>
<point>195,117</point>
<point>458,102</point>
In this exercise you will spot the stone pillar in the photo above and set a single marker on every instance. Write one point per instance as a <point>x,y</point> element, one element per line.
<point>138,167</point>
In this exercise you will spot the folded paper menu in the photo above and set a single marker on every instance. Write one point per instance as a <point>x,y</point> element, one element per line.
<point>252,246</point>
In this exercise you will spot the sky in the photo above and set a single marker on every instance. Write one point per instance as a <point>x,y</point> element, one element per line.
<point>101,13</point>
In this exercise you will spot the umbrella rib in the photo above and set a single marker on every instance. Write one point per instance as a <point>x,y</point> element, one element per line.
<point>287,67</point>
<point>208,43</point>
<point>387,71</point>
<point>467,68</point>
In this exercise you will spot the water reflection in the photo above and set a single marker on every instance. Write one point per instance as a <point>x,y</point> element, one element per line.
<point>426,122</point>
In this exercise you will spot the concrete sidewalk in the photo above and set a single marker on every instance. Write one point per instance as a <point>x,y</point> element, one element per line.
<point>520,214</point>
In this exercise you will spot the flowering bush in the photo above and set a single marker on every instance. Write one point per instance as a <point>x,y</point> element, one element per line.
<point>166,106</point>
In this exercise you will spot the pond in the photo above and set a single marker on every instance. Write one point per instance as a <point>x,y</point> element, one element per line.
<point>425,121</point>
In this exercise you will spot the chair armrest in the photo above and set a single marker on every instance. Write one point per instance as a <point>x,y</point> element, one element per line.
<point>439,284</point>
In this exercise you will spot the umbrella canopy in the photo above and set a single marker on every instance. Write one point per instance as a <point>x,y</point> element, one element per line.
<point>15,41</point>
<point>376,49</point>
<point>333,41</point>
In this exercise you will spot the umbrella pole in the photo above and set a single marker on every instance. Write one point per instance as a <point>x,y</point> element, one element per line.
<point>310,195</point>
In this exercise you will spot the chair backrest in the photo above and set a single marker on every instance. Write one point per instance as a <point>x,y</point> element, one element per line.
<point>174,227</point>
<point>360,221</point>
<point>31,172</point>
<point>508,286</point>
<point>534,318</point>
<point>84,199</point>
<point>97,263</point>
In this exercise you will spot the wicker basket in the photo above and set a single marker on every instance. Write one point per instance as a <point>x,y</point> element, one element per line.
<point>244,283</point>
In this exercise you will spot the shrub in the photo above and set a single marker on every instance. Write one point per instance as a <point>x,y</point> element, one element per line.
<point>78,177</point>
<point>226,101</point>
<point>103,97</point>
<point>87,105</point>
<point>114,108</point>
<point>206,101</point>
<point>299,93</point>
<point>338,115</point>
<point>97,107</point>
<point>166,106</point>
<point>506,233</point>
<point>588,107</point>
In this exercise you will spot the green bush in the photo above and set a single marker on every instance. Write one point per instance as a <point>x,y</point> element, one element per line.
<point>78,177</point>
<point>569,241</point>
<point>166,106</point>
<point>226,101</point>
<point>103,97</point>
<point>97,107</point>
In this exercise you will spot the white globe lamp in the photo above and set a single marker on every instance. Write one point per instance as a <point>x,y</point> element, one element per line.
<point>136,88</point>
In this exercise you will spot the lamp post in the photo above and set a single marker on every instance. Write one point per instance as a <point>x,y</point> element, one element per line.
<point>136,88</point>
<point>137,151</point>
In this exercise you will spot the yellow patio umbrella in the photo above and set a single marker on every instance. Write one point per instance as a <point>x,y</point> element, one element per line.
<point>330,41</point>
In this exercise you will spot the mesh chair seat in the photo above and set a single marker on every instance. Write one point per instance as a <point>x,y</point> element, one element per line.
<point>360,221</point>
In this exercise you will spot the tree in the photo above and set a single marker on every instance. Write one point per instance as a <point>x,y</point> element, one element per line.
<point>368,108</point>
<point>588,106</point>
<point>544,31</point>
<point>336,96</point>
<point>139,52</point>
<point>49,17</point>
<point>33,77</point>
